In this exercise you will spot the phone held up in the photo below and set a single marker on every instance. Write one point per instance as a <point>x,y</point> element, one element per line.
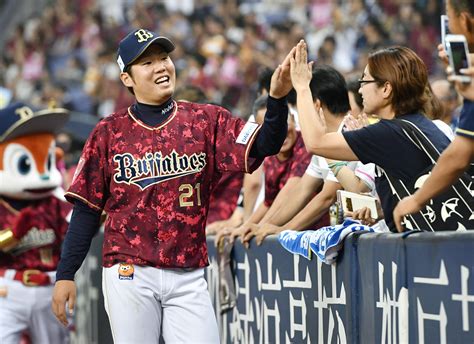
<point>458,56</point>
<point>444,30</point>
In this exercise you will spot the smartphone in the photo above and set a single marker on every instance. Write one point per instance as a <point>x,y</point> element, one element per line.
<point>351,201</point>
<point>458,56</point>
<point>444,30</point>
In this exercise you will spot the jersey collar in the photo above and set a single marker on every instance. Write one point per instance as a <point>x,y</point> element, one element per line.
<point>140,123</point>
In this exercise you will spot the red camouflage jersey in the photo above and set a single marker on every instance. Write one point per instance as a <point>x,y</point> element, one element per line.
<point>40,248</point>
<point>278,172</point>
<point>224,197</point>
<point>154,182</point>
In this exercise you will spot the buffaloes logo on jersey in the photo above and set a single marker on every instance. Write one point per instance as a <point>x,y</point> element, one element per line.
<point>126,271</point>
<point>155,167</point>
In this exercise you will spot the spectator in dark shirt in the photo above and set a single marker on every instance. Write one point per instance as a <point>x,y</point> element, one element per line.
<point>393,86</point>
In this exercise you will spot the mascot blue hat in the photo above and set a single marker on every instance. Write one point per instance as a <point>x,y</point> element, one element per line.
<point>18,119</point>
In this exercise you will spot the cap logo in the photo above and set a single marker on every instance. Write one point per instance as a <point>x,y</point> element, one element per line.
<point>143,35</point>
<point>120,63</point>
<point>24,112</point>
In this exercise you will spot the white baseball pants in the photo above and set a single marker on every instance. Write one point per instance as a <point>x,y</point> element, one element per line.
<point>28,308</point>
<point>171,302</point>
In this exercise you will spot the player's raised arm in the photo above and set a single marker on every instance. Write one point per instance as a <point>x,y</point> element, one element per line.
<point>275,126</point>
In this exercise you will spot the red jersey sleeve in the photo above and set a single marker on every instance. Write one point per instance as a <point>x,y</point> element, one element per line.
<point>234,138</point>
<point>90,181</point>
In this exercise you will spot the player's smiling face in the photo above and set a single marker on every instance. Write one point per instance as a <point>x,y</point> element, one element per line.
<point>153,76</point>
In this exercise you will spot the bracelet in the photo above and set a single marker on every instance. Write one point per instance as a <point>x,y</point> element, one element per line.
<point>336,170</point>
<point>337,166</point>
<point>337,163</point>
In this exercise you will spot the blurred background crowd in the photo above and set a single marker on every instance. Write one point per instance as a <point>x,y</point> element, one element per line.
<point>66,50</point>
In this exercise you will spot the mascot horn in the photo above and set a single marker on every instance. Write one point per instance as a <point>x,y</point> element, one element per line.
<point>32,222</point>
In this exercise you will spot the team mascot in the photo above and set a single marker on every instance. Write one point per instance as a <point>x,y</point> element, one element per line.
<point>32,223</point>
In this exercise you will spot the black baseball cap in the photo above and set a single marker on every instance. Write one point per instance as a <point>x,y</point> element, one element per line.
<point>136,42</point>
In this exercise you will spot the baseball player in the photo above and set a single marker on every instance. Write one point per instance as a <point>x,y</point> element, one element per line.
<point>32,223</point>
<point>151,167</point>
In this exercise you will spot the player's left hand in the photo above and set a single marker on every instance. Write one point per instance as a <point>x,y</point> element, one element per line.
<point>408,205</point>
<point>266,230</point>
<point>64,291</point>
<point>280,84</point>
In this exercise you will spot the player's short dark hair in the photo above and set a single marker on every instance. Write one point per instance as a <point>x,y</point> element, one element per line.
<point>329,86</point>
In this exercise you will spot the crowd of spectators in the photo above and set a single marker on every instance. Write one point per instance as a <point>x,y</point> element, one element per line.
<point>67,53</point>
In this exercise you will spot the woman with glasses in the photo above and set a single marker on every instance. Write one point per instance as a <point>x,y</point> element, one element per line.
<point>392,86</point>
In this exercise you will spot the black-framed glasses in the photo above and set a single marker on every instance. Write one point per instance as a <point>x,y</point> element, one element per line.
<point>362,82</point>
